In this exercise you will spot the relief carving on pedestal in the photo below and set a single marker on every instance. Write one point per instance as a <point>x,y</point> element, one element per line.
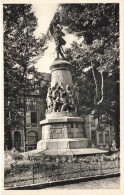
<point>60,99</point>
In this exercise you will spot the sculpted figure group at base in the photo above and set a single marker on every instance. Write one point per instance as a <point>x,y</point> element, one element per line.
<point>60,99</point>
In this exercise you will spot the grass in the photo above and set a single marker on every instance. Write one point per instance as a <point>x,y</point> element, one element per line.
<point>40,173</point>
<point>20,170</point>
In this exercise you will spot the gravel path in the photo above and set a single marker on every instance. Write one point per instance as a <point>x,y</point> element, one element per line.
<point>109,183</point>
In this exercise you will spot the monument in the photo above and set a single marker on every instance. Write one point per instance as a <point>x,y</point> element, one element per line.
<point>62,130</point>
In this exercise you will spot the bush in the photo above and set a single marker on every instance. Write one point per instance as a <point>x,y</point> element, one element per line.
<point>13,158</point>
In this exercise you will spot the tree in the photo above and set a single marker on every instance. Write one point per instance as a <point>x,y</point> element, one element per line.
<point>21,51</point>
<point>92,21</point>
<point>98,24</point>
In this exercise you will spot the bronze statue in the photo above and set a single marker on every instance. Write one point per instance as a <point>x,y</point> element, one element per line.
<point>49,98</point>
<point>59,41</point>
<point>61,99</point>
<point>56,101</point>
<point>56,32</point>
<point>66,106</point>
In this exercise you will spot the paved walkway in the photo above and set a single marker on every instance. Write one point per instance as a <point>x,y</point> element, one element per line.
<point>79,151</point>
<point>109,183</point>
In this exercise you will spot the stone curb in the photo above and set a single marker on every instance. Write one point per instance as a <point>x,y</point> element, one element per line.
<point>62,182</point>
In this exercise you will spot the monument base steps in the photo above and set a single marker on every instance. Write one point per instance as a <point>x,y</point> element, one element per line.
<point>51,144</point>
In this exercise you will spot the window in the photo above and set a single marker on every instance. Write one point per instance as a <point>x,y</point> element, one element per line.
<point>30,148</point>
<point>33,117</point>
<point>93,137</point>
<point>72,126</point>
<point>107,137</point>
<point>76,125</point>
<point>32,138</point>
<point>17,140</point>
<point>100,137</point>
<point>31,104</point>
<point>92,121</point>
<point>7,114</point>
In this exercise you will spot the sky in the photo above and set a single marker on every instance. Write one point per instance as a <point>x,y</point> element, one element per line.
<point>44,14</point>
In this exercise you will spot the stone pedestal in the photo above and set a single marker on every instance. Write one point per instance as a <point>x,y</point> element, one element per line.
<point>62,128</point>
<point>61,72</point>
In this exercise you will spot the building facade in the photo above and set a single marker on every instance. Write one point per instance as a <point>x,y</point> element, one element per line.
<point>35,113</point>
<point>35,106</point>
<point>35,110</point>
<point>100,135</point>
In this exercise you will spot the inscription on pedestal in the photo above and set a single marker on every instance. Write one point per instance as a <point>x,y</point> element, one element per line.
<point>61,131</point>
<point>56,131</point>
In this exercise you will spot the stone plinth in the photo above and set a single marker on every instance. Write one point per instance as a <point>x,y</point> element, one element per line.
<point>54,115</point>
<point>53,144</point>
<point>61,72</point>
<point>65,128</point>
<point>62,128</point>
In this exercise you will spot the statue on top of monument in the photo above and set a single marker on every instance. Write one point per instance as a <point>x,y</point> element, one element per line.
<point>56,31</point>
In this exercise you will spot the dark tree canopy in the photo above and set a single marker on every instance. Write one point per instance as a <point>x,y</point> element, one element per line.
<point>21,51</point>
<point>96,59</point>
<point>92,21</point>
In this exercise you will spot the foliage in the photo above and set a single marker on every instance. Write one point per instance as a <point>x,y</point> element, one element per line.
<point>92,21</point>
<point>11,157</point>
<point>54,168</point>
<point>96,59</point>
<point>14,158</point>
<point>21,51</point>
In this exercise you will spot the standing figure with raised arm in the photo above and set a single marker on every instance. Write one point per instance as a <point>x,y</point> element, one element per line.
<point>59,41</point>
<point>56,32</point>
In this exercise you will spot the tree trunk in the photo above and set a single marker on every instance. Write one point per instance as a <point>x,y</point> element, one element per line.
<point>7,137</point>
<point>102,85</point>
<point>96,84</point>
<point>117,130</point>
<point>24,128</point>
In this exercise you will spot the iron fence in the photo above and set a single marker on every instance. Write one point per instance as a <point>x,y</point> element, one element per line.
<point>61,168</point>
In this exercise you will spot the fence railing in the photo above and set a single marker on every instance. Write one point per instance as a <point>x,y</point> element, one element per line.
<point>61,168</point>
